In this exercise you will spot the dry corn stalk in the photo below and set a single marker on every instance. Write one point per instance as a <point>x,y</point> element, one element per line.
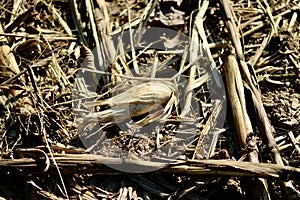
<point>156,98</point>
<point>9,66</point>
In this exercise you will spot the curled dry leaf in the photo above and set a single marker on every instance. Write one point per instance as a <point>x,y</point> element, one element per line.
<point>172,42</point>
<point>145,98</point>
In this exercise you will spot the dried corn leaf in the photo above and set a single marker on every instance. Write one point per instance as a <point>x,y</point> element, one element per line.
<point>136,101</point>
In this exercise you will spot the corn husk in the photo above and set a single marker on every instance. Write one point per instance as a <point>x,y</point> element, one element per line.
<point>136,101</point>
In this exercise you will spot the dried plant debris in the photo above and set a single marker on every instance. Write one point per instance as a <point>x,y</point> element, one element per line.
<point>183,90</point>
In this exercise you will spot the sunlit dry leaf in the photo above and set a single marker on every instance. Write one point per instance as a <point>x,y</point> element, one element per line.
<point>136,101</point>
